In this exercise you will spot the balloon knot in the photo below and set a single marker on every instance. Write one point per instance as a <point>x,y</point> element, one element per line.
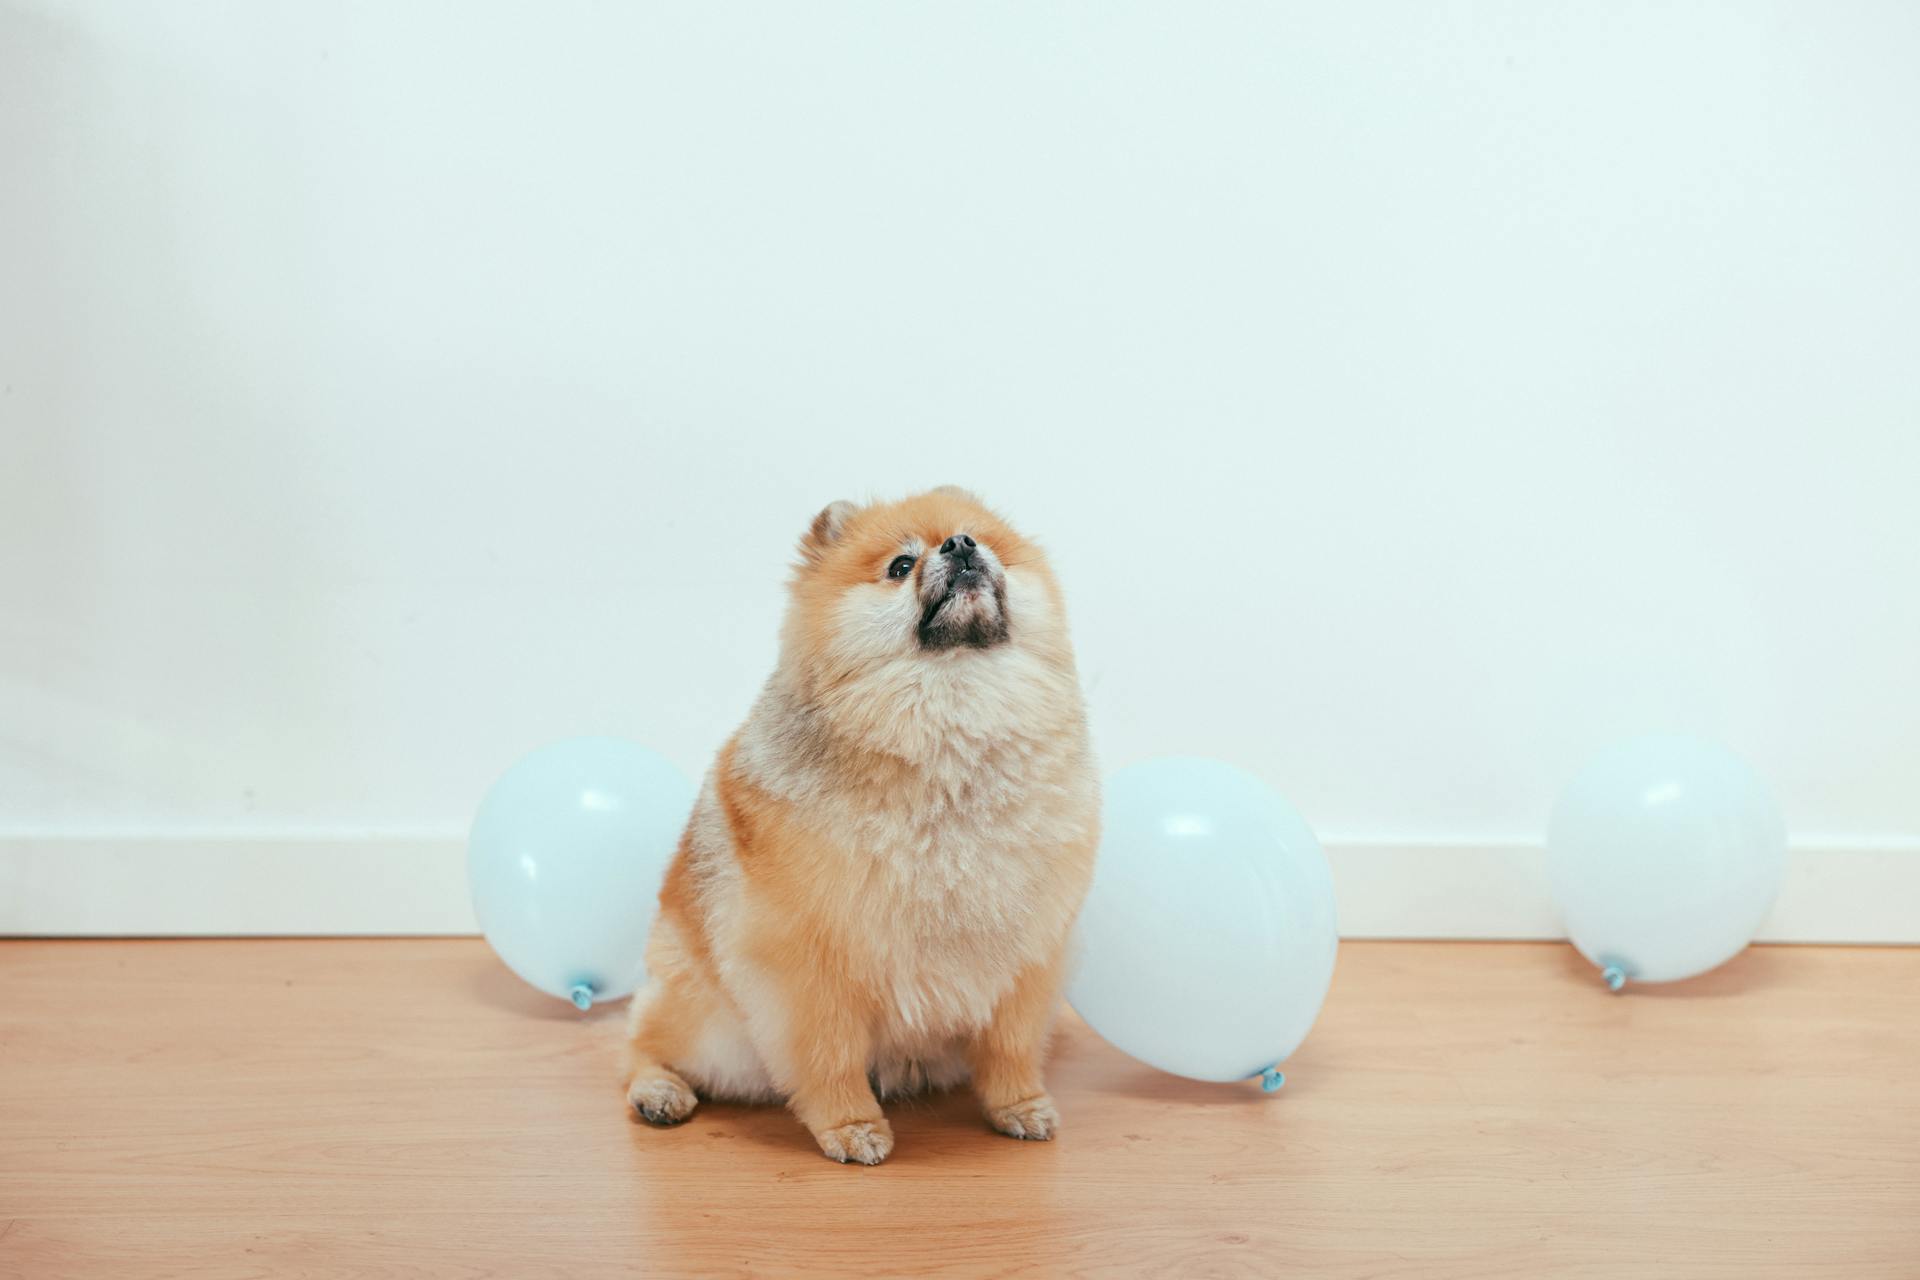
<point>582,996</point>
<point>1271,1079</point>
<point>1616,977</point>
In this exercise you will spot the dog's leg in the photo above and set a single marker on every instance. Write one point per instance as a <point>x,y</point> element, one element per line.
<point>832,1095</point>
<point>816,1037</point>
<point>664,1013</point>
<point>1008,1055</point>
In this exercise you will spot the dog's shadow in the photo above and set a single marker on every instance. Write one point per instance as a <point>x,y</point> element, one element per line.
<point>923,1123</point>
<point>946,1126</point>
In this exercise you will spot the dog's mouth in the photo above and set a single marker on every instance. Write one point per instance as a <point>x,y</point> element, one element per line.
<point>971,612</point>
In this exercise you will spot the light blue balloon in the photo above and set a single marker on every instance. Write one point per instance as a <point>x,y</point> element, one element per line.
<point>1665,855</point>
<point>1208,938</point>
<point>565,860</point>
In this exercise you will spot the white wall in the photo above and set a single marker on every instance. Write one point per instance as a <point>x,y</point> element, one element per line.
<point>1414,396</point>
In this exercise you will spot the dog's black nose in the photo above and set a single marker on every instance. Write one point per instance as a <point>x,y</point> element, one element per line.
<point>960,547</point>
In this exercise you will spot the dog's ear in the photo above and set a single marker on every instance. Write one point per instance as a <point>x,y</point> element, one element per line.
<point>826,529</point>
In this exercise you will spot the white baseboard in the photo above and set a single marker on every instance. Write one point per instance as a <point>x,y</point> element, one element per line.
<point>1835,891</point>
<point>414,882</point>
<point>263,883</point>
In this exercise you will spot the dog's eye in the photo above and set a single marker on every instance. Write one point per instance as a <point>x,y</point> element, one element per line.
<point>901,567</point>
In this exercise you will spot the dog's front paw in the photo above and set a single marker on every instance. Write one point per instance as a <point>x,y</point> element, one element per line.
<point>662,1098</point>
<point>1035,1118</point>
<point>862,1142</point>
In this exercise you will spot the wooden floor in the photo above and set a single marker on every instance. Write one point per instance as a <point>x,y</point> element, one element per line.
<point>376,1108</point>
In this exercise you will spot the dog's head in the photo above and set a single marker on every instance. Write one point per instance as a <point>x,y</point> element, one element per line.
<point>887,595</point>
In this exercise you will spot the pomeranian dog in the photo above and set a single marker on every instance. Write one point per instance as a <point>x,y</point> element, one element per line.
<point>876,888</point>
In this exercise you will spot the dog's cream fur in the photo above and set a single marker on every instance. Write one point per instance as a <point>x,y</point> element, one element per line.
<point>876,888</point>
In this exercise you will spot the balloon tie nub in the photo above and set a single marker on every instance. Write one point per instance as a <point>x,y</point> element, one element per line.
<point>581,993</point>
<point>1270,1078</point>
<point>1616,977</point>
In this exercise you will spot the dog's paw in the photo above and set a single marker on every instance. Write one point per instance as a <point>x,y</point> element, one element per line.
<point>1035,1119</point>
<point>862,1142</point>
<point>662,1099</point>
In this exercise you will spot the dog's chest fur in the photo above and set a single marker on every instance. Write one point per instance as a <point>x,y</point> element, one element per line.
<point>953,865</point>
<point>960,882</point>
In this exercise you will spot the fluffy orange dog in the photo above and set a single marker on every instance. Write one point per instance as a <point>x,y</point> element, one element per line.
<point>876,888</point>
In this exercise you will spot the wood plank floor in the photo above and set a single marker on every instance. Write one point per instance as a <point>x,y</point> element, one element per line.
<point>406,1108</point>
